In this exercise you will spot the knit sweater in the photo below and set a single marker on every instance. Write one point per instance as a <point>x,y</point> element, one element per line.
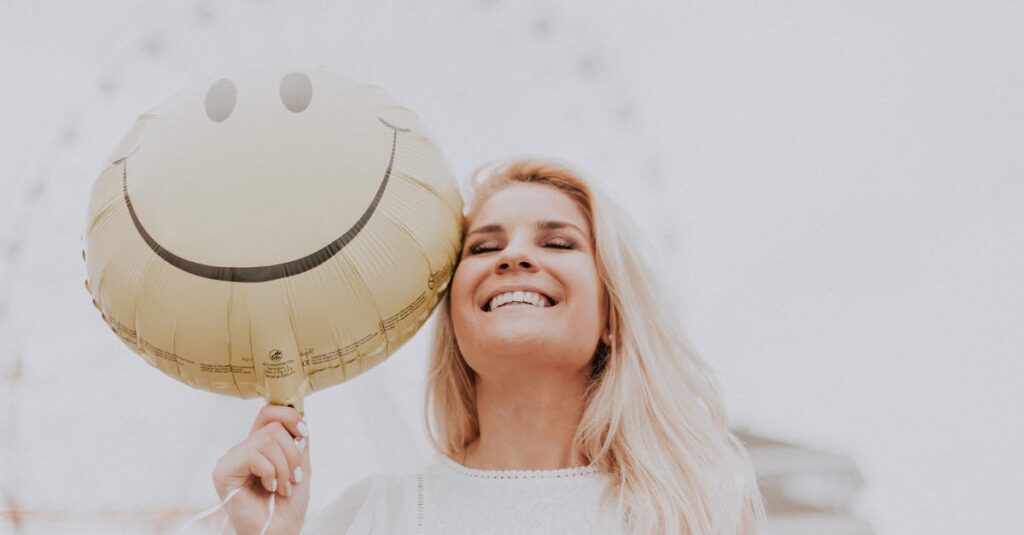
<point>450,499</point>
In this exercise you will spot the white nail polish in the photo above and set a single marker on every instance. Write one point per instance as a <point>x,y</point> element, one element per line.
<point>303,428</point>
<point>273,486</point>
<point>301,444</point>
<point>288,489</point>
<point>298,474</point>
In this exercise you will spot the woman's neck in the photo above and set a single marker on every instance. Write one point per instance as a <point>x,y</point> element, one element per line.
<point>527,424</point>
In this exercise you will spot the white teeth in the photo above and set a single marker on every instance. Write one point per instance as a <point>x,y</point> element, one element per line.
<point>531,298</point>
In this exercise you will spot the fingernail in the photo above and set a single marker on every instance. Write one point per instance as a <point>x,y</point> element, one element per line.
<point>288,489</point>
<point>303,428</point>
<point>273,486</point>
<point>301,444</point>
<point>298,474</point>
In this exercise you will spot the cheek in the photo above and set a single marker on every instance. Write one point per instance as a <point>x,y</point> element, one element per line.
<point>460,283</point>
<point>594,299</point>
<point>588,283</point>
<point>461,292</point>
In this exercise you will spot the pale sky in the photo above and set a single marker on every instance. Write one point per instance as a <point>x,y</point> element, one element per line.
<point>835,190</point>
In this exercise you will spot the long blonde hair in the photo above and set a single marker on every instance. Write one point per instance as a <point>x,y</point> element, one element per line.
<point>653,417</point>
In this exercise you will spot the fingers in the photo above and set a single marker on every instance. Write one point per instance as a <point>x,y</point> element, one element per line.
<point>271,450</point>
<point>286,453</point>
<point>264,469</point>
<point>276,452</point>
<point>287,416</point>
<point>290,432</point>
<point>270,455</point>
<point>239,464</point>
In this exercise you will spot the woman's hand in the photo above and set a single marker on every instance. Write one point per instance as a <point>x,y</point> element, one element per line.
<point>274,458</point>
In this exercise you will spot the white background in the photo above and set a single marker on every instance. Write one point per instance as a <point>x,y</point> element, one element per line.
<point>836,191</point>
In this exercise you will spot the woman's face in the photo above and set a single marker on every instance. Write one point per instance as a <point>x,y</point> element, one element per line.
<point>527,242</point>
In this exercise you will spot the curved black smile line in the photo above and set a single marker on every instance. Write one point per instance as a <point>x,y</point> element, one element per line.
<point>270,272</point>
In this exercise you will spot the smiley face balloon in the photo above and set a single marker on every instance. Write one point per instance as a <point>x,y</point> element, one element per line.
<point>272,234</point>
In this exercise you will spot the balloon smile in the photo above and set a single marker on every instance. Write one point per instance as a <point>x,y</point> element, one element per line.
<point>268,272</point>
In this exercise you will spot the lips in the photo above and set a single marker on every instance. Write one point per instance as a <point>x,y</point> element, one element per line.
<point>549,301</point>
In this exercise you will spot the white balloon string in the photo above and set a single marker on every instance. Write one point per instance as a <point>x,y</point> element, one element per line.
<point>270,514</point>
<point>209,511</point>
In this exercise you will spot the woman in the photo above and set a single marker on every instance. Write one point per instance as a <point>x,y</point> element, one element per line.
<point>562,395</point>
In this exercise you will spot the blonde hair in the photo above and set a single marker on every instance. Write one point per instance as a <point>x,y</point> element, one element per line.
<point>653,417</point>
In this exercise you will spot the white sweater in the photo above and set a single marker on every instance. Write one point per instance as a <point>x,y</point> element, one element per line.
<point>449,499</point>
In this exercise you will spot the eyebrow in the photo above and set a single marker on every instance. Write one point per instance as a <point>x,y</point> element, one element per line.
<point>541,225</point>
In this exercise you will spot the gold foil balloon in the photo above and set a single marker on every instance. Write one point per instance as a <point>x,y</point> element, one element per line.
<point>272,235</point>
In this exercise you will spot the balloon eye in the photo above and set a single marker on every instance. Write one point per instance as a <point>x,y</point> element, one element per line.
<point>220,100</point>
<point>296,91</point>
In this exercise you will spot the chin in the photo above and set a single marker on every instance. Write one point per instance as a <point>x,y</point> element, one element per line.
<point>518,339</point>
<point>528,351</point>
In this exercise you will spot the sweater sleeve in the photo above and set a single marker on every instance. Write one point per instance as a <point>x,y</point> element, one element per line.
<point>340,515</point>
<point>377,505</point>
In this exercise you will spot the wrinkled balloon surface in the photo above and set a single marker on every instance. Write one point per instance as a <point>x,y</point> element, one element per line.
<point>272,234</point>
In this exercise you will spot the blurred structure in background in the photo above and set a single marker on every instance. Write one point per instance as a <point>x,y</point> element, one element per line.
<point>806,491</point>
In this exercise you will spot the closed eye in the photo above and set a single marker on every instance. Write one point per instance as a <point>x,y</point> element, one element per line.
<point>560,243</point>
<point>487,247</point>
<point>483,248</point>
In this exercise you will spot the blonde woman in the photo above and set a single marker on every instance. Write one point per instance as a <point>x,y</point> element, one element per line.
<point>562,396</point>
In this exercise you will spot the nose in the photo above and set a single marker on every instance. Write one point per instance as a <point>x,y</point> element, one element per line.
<point>515,260</point>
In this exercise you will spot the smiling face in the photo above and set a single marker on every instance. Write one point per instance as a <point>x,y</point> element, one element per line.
<point>532,243</point>
<point>262,176</point>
